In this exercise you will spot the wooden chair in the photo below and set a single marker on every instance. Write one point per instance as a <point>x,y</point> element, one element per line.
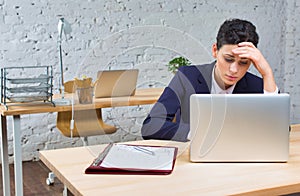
<point>86,122</point>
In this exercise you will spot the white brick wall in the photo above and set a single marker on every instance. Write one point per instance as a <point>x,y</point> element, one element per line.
<point>105,35</point>
<point>292,58</point>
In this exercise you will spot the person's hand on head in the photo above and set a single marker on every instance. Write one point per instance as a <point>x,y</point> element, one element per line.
<point>249,51</point>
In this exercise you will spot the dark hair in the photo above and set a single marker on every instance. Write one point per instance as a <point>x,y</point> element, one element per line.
<point>234,31</point>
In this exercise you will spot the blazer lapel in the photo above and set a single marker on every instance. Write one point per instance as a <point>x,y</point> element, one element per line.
<point>205,78</point>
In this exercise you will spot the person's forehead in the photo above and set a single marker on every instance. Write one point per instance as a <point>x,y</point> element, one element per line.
<point>228,47</point>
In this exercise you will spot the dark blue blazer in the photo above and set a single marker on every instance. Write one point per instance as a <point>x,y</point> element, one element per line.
<point>175,101</point>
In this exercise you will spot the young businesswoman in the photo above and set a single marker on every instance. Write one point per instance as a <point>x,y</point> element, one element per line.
<point>234,51</point>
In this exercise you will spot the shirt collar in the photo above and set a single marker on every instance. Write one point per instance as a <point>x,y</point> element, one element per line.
<point>215,88</point>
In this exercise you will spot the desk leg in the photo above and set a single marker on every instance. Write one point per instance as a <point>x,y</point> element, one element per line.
<point>18,155</point>
<point>4,157</point>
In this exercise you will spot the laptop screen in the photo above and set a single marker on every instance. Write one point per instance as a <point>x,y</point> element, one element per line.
<point>116,83</point>
<point>239,127</point>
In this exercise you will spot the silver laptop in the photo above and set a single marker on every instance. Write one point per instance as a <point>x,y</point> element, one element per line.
<point>239,127</point>
<point>116,83</point>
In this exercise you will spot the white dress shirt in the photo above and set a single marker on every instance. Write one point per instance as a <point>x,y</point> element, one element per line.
<point>215,88</point>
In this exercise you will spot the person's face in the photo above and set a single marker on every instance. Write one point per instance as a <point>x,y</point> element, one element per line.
<point>230,68</point>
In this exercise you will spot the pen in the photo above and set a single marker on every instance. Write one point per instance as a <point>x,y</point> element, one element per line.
<point>144,150</point>
<point>102,155</point>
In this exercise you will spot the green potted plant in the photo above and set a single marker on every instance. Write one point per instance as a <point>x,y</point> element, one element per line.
<point>177,62</point>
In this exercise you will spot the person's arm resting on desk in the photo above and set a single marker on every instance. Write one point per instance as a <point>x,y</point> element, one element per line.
<point>160,123</point>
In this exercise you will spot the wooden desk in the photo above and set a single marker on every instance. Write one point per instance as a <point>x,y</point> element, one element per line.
<point>187,178</point>
<point>142,96</point>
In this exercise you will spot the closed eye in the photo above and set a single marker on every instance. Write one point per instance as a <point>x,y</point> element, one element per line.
<point>229,60</point>
<point>243,62</point>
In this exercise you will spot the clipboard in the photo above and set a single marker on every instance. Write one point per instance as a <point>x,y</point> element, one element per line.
<point>134,159</point>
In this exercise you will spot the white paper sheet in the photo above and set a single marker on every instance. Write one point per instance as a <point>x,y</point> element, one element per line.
<point>139,157</point>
